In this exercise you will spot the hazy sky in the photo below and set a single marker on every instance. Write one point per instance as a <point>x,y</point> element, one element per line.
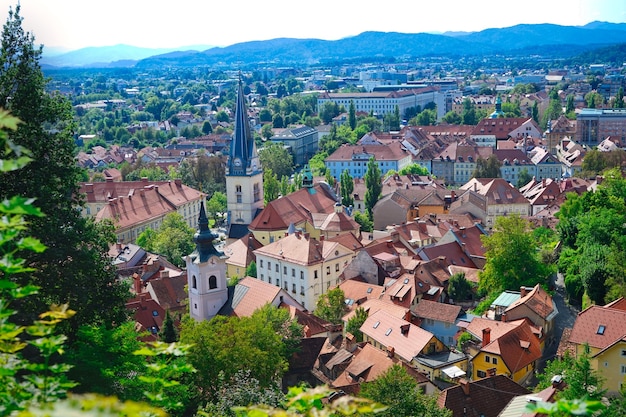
<point>75,24</point>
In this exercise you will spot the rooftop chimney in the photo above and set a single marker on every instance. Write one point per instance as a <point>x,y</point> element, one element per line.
<point>522,291</point>
<point>486,336</point>
<point>391,351</point>
<point>503,316</point>
<point>465,385</point>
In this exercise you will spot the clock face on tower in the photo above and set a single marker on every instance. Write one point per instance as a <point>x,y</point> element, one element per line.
<point>237,162</point>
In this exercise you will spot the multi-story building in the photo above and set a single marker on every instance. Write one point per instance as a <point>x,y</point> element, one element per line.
<point>381,103</point>
<point>302,265</point>
<point>354,159</point>
<point>134,206</point>
<point>302,142</point>
<point>594,125</point>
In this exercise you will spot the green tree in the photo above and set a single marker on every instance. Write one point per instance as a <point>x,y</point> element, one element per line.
<point>400,393</point>
<point>346,184</point>
<point>267,131</point>
<point>168,333</point>
<point>251,269</point>
<point>173,239</point>
<point>512,256</point>
<point>276,157</point>
<point>523,178</point>
<point>271,186</point>
<point>352,115</point>
<point>618,103</point>
<point>75,269</point>
<point>487,168</point>
<point>355,322</point>
<point>217,205</point>
<point>259,349</point>
<point>415,169</point>
<point>331,306</point>
<point>452,118</point>
<point>367,225</point>
<point>459,288</point>
<point>373,184</point>
<point>206,127</point>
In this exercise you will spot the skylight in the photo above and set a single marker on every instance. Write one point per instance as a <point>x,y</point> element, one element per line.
<point>388,332</point>
<point>376,324</point>
<point>601,329</point>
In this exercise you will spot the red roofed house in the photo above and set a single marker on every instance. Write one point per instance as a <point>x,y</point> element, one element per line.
<point>601,332</point>
<point>135,206</point>
<point>506,348</point>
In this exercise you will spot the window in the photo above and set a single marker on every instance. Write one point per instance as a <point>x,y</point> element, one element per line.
<point>277,282</point>
<point>286,286</point>
<point>261,263</point>
<point>315,274</point>
<point>293,272</point>
<point>276,267</point>
<point>269,266</point>
<point>262,277</point>
<point>494,361</point>
<point>481,374</point>
<point>487,359</point>
<point>284,270</point>
<point>301,274</point>
<point>623,352</point>
<point>328,270</point>
<point>293,288</point>
<point>212,282</point>
<point>194,282</point>
<point>238,193</point>
<point>302,290</point>
<point>336,267</point>
<point>623,369</point>
<point>256,192</point>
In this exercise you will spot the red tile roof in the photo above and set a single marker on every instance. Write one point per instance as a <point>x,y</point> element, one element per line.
<point>446,313</point>
<point>599,326</point>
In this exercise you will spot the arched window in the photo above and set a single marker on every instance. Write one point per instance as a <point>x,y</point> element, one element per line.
<point>194,282</point>
<point>212,282</point>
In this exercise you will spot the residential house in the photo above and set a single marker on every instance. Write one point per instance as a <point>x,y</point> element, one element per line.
<point>485,397</point>
<point>357,293</point>
<point>438,318</point>
<point>147,314</point>
<point>304,266</point>
<point>354,159</point>
<point>512,163</point>
<point>313,209</point>
<point>541,193</point>
<point>546,164</point>
<point>501,128</point>
<point>134,206</point>
<point>240,255</point>
<point>404,205</point>
<point>250,294</point>
<point>571,155</point>
<point>599,331</point>
<point>559,129</point>
<point>467,153</point>
<point>506,348</point>
<point>488,198</point>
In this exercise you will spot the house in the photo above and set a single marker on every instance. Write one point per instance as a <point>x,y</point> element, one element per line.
<point>488,198</point>
<point>571,155</point>
<point>502,128</point>
<point>438,318</point>
<point>540,193</point>
<point>399,338</point>
<point>304,266</point>
<point>251,294</point>
<point>240,255</point>
<point>354,159</point>
<point>314,209</point>
<point>600,332</point>
<point>147,314</point>
<point>134,206</point>
<point>512,163</point>
<point>404,205</point>
<point>478,398</point>
<point>546,164</point>
<point>506,348</point>
<point>357,293</point>
<point>536,305</point>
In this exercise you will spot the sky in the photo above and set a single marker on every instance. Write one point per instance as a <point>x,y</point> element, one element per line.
<point>75,24</point>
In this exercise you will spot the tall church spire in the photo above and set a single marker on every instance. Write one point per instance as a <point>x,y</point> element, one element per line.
<point>243,154</point>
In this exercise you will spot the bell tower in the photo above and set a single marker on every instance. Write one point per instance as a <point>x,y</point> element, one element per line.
<point>244,176</point>
<point>206,273</point>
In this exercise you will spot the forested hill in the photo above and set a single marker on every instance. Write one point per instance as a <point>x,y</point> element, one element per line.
<point>525,39</point>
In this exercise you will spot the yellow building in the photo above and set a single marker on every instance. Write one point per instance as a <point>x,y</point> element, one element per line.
<point>505,348</point>
<point>599,331</point>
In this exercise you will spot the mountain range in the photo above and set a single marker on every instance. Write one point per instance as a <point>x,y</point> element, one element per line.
<point>526,39</point>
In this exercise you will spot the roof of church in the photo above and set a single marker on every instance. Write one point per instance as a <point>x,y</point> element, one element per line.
<point>203,239</point>
<point>242,147</point>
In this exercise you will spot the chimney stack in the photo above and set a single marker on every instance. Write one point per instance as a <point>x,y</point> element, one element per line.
<point>486,336</point>
<point>522,291</point>
<point>503,317</point>
<point>391,351</point>
<point>464,383</point>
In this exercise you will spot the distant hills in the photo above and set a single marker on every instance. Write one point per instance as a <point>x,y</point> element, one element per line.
<point>535,39</point>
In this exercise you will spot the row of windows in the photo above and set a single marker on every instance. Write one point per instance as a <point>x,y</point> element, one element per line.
<point>212,282</point>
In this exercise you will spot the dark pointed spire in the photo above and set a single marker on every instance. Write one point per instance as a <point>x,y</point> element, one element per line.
<point>204,237</point>
<point>307,177</point>
<point>242,148</point>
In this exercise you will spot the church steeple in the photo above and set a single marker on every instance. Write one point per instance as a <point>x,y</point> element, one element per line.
<point>204,238</point>
<point>243,159</point>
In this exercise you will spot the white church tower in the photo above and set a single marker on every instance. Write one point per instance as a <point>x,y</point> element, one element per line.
<point>206,273</point>
<point>244,176</point>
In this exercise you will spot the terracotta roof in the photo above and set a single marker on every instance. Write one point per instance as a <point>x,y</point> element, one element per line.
<point>406,339</point>
<point>169,291</point>
<point>301,249</point>
<point>391,152</point>
<point>599,326</point>
<point>373,305</point>
<point>496,190</point>
<point>518,347</point>
<point>446,313</point>
<point>147,313</point>
<point>241,251</point>
<point>295,208</point>
<point>538,300</point>
<point>251,294</point>
<point>349,240</point>
<point>451,251</point>
<point>358,292</point>
<point>367,364</point>
<point>486,397</point>
<point>500,127</point>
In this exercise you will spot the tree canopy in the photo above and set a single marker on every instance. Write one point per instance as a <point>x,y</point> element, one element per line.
<point>373,184</point>
<point>173,239</point>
